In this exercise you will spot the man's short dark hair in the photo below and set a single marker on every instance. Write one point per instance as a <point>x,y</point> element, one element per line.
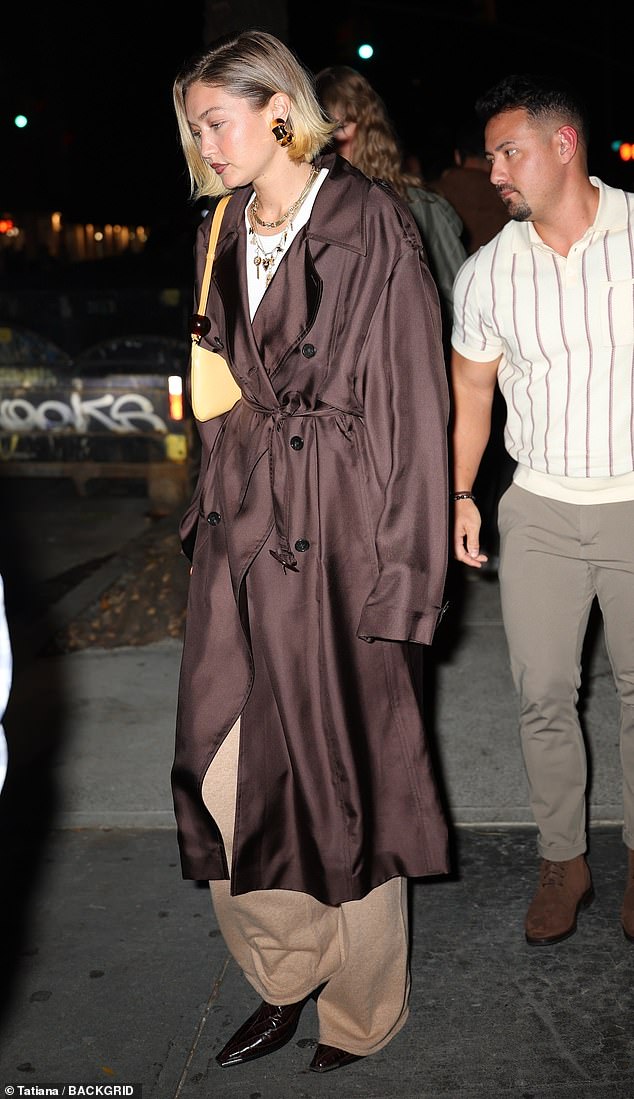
<point>539,96</point>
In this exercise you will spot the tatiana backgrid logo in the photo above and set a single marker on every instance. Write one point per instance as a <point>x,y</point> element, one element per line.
<point>130,1091</point>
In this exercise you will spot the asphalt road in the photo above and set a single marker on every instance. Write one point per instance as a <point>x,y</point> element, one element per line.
<point>52,540</point>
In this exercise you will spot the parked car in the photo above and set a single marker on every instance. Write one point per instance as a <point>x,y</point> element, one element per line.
<point>115,410</point>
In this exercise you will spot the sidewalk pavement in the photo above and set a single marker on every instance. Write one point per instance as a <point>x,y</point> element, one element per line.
<point>116,971</point>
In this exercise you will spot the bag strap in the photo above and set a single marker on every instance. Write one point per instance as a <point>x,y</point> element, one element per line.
<point>211,251</point>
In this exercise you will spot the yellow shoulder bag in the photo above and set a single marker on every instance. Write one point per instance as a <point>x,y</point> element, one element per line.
<point>213,388</point>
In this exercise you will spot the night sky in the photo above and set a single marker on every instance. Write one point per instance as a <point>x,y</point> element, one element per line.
<point>95,83</point>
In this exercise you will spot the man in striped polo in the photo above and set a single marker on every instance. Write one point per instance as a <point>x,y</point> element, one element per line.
<point>546,309</point>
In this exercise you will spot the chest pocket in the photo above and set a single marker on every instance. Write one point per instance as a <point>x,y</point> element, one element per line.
<point>617,313</point>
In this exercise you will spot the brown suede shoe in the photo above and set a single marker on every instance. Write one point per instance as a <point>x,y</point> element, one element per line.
<point>564,888</point>
<point>627,911</point>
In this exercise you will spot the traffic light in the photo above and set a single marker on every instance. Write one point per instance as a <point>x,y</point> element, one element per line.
<point>6,225</point>
<point>20,121</point>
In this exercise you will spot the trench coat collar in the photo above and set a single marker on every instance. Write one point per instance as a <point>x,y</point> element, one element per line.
<point>334,219</point>
<point>289,307</point>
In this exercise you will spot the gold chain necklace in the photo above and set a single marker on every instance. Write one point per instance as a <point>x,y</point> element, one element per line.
<point>265,260</point>
<point>293,208</point>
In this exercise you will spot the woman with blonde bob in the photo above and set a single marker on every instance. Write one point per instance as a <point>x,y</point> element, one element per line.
<point>317,535</point>
<point>365,135</point>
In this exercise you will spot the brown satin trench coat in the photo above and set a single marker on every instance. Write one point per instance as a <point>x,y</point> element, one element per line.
<point>319,521</point>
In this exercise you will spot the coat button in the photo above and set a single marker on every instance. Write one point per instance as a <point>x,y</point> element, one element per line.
<point>297,442</point>
<point>308,350</point>
<point>213,518</point>
<point>217,342</point>
<point>301,545</point>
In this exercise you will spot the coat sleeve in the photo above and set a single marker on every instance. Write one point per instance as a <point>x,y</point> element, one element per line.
<point>406,410</point>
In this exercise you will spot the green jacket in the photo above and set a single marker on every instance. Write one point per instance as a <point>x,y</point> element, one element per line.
<point>440,229</point>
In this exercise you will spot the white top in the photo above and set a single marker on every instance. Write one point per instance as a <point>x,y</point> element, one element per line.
<point>564,326</point>
<point>257,286</point>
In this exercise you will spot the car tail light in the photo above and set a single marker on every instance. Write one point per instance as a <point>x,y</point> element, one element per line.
<point>175,391</point>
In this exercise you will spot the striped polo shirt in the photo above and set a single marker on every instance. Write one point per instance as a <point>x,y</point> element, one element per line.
<point>564,326</point>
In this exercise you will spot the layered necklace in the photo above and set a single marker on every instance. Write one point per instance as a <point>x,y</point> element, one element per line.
<point>262,258</point>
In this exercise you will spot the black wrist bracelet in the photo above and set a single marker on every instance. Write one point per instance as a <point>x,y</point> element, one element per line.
<point>462,496</point>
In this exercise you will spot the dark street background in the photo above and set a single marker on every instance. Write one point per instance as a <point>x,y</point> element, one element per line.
<point>95,84</point>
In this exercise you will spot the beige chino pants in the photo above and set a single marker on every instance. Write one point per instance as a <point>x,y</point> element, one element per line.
<point>287,943</point>
<point>555,558</point>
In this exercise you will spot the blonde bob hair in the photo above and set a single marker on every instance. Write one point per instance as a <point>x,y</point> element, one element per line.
<point>252,65</point>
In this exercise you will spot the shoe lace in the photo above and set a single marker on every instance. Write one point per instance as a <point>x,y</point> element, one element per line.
<point>552,873</point>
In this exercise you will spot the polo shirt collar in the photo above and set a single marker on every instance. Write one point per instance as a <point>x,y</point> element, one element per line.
<point>612,214</point>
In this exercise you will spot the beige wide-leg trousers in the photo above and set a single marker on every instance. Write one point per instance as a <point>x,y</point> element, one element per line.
<point>287,943</point>
<point>555,558</point>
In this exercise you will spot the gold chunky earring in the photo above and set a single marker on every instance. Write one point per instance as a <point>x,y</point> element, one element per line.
<point>282,132</point>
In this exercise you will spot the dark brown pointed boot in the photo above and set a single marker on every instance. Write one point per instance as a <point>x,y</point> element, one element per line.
<point>267,1030</point>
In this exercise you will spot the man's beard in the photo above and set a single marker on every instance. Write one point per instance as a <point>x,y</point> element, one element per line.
<point>518,211</point>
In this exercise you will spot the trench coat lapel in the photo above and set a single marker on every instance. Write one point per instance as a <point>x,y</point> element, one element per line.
<point>289,307</point>
<point>282,319</point>
<point>229,275</point>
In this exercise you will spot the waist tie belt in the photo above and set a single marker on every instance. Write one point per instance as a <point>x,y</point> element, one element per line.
<point>280,489</point>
